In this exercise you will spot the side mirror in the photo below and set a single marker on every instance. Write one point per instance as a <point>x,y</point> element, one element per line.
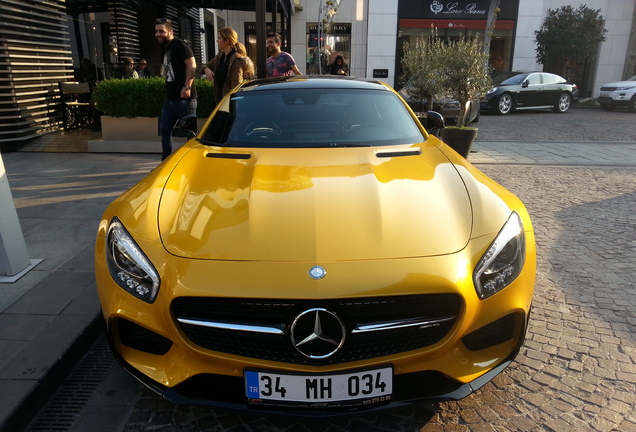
<point>188,125</point>
<point>525,84</point>
<point>433,123</point>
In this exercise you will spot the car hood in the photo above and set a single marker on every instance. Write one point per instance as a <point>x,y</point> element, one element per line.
<point>314,204</point>
<point>620,84</point>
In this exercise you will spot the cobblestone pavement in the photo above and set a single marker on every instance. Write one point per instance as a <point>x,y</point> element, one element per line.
<point>578,124</point>
<point>577,370</point>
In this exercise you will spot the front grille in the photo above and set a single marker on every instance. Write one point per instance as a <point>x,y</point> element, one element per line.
<point>608,89</point>
<point>491,334</point>
<point>353,313</point>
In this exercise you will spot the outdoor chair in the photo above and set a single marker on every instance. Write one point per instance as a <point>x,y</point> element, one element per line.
<point>78,110</point>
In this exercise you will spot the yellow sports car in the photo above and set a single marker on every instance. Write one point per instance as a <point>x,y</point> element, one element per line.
<point>314,250</point>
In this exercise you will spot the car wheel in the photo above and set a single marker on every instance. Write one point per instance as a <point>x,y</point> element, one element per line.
<point>504,104</point>
<point>632,104</point>
<point>563,104</point>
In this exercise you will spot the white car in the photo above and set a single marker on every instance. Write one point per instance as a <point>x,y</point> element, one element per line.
<point>619,94</point>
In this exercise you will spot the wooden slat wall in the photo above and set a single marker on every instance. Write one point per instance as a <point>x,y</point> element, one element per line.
<point>194,36</point>
<point>34,56</point>
<point>124,25</point>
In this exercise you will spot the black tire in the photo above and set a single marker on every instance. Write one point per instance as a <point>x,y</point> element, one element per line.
<point>504,104</point>
<point>563,103</point>
<point>632,104</point>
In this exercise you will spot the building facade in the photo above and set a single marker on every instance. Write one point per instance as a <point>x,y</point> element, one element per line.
<point>370,34</point>
<point>44,43</point>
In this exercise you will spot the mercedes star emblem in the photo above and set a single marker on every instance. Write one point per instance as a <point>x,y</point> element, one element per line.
<point>317,333</point>
<point>317,272</point>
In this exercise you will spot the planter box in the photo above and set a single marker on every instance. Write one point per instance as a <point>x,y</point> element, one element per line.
<point>460,140</point>
<point>132,135</point>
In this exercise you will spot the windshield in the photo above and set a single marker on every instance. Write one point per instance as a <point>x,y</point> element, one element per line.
<point>324,117</point>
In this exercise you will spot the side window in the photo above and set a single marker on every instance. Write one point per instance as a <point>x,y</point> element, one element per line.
<point>219,129</point>
<point>557,79</point>
<point>548,78</point>
<point>534,79</point>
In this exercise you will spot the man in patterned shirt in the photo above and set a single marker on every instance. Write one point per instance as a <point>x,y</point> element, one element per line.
<point>279,63</point>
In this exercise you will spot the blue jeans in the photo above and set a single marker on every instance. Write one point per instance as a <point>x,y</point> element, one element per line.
<point>172,111</point>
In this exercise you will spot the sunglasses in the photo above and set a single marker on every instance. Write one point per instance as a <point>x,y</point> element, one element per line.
<point>163,21</point>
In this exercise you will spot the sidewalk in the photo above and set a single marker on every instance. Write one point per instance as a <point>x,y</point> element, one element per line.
<point>50,317</point>
<point>620,153</point>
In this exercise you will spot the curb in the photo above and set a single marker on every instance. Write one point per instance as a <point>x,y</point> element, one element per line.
<point>24,413</point>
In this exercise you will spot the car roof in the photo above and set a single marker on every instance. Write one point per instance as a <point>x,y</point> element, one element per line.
<point>312,82</point>
<point>503,76</point>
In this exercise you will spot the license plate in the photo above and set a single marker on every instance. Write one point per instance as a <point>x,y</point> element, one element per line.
<point>349,388</point>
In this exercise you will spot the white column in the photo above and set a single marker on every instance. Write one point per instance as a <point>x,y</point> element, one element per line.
<point>14,258</point>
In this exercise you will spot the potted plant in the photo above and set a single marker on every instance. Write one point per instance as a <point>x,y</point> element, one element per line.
<point>130,110</point>
<point>455,70</point>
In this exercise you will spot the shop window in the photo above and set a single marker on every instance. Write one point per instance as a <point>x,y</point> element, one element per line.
<point>323,48</point>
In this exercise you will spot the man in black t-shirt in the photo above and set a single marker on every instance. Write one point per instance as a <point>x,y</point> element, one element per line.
<point>178,69</point>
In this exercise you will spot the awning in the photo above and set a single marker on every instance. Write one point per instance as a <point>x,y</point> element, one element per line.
<point>84,6</point>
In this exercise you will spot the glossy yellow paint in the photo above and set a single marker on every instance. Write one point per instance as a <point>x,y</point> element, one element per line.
<point>345,204</point>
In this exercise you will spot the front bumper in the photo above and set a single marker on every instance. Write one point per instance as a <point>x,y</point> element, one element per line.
<point>229,391</point>
<point>613,101</point>
<point>618,98</point>
<point>486,105</point>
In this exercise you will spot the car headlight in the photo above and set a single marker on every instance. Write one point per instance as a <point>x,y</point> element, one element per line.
<point>503,261</point>
<point>128,265</point>
<point>624,88</point>
<point>492,90</point>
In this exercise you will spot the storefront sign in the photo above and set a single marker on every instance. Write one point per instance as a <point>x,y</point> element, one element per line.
<point>334,29</point>
<point>380,73</point>
<point>250,28</point>
<point>455,9</point>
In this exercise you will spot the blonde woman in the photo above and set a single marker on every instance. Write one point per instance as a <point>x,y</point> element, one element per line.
<point>249,72</point>
<point>226,68</point>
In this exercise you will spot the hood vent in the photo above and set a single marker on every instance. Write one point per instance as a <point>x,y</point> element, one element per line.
<point>229,155</point>
<point>392,154</point>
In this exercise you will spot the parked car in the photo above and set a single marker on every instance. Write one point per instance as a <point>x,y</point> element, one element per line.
<point>530,90</point>
<point>314,251</point>
<point>619,94</point>
<point>447,107</point>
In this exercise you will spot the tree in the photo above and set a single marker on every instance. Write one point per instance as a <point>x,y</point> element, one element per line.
<point>456,69</point>
<point>569,36</point>
<point>421,65</point>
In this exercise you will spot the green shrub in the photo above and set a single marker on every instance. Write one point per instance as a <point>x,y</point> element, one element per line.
<point>144,97</point>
